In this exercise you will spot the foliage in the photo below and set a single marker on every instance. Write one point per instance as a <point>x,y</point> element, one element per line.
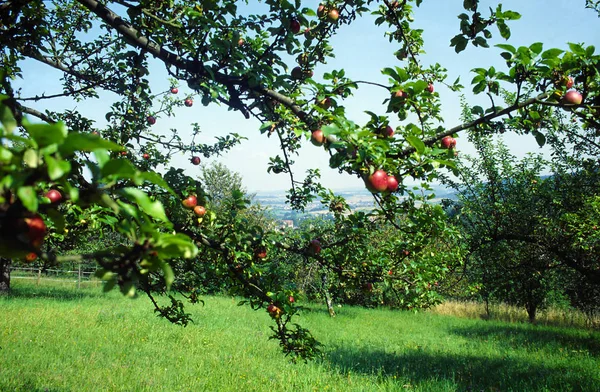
<point>119,175</point>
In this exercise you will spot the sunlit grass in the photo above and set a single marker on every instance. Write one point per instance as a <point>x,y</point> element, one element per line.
<point>63,339</point>
<point>512,314</point>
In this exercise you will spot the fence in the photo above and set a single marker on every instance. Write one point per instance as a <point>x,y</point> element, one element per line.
<point>78,276</point>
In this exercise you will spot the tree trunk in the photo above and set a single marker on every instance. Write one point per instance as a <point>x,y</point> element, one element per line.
<point>328,300</point>
<point>4,276</point>
<point>531,311</point>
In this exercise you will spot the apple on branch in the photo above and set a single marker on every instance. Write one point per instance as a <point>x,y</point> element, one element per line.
<point>190,202</point>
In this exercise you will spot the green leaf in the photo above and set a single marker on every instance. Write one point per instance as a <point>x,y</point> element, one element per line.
<point>507,47</point>
<point>6,117</point>
<point>46,134</point>
<point>539,138</point>
<point>121,168</point>
<point>57,218</point>
<point>175,245</point>
<point>153,208</point>
<point>5,155</point>
<point>536,47</point>
<point>169,275</point>
<point>28,198</point>
<point>459,42</point>
<point>551,53</point>
<point>76,141</point>
<point>57,168</point>
<point>156,179</point>
<point>503,28</point>
<point>416,143</point>
<point>31,159</point>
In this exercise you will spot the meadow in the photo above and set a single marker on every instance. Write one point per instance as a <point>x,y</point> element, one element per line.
<point>56,338</point>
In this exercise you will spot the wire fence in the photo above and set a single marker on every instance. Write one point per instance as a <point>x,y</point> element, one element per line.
<point>78,277</point>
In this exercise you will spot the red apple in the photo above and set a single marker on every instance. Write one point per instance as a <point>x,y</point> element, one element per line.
<point>30,257</point>
<point>274,311</point>
<point>54,195</point>
<point>188,102</point>
<point>146,156</point>
<point>151,120</point>
<point>401,94</point>
<point>190,202</point>
<point>199,210</point>
<point>333,15</point>
<point>291,299</point>
<point>241,42</point>
<point>294,26</point>
<point>392,183</point>
<point>261,253</point>
<point>448,142</point>
<point>389,131</point>
<point>314,247</point>
<point>195,160</point>
<point>124,153</point>
<point>321,11</point>
<point>317,138</point>
<point>36,230</point>
<point>390,272</point>
<point>569,83</point>
<point>378,181</point>
<point>430,87</point>
<point>174,90</point>
<point>573,97</point>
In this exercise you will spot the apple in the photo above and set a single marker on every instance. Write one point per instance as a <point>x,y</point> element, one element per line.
<point>569,82</point>
<point>388,132</point>
<point>54,195</point>
<point>378,181</point>
<point>195,160</point>
<point>123,153</point>
<point>448,142</point>
<point>174,90</point>
<point>406,252</point>
<point>241,42</point>
<point>307,32</point>
<point>333,15</point>
<point>573,97</point>
<point>297,73</point>
<point>151,120</point>
<point>368,286</point>
<point>291,299</point>
<point>199,210</point>
<point>190,202</point>
<point>317,138</point>
<point>261,253</point>
<point>36,230</point>
<point>390,272</point>
<point>294,26</point>
<point>274,311</point>
<point>392,183</point>
<point>325,103</point>
<point>146,156</point>
<point>321,11</point>
<point>401,94</point>
<point>314,247</point>
<point>188,102</point>
<point>30,257</point>
<point>430,87</point>
<point>401,55</point>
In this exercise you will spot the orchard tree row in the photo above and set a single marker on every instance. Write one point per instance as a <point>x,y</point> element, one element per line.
<point>64,176</point>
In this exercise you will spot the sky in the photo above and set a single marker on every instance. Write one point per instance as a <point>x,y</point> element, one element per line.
<point>363,51</point>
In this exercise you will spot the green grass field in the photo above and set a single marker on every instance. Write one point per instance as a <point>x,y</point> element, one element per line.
<point>63,339</point>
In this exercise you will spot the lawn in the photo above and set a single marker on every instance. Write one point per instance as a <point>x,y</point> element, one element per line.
<point>63,339</point>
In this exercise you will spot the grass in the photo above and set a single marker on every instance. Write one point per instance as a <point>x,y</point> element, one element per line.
<point>62,339</point>
<point>512,314</point>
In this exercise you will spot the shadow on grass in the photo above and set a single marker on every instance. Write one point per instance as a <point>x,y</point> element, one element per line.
<point>464,372</point>
<point>532,337</point>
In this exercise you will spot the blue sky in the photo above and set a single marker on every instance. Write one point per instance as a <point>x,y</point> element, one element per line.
<point>362,50</point>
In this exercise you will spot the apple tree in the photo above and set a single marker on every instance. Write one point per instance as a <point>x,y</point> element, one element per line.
<point>261,62</point>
